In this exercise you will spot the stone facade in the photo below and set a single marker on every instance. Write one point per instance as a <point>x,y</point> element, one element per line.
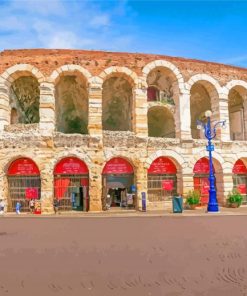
<point>86,95</point>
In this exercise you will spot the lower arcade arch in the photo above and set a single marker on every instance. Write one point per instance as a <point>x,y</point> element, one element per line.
<point>162,180</point>
<point>71,181</point>
<point>201,181</point>
<point>119,188</point>
<point>24,184</point>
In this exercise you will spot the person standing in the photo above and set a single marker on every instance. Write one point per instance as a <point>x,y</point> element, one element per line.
<point>18,208</point>
<point>55,205</point>
<point>31,206</point>
<point>2,206</point>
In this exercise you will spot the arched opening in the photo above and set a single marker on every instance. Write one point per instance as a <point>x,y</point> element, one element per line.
<point>201,182</point>
<point>13,116</point>
<point>162,86</point>
<point>23,183</point>
<point>24,100</point>
<point>118,184</point>
<point>153,94</point>
<point>71,181</point>
<point>236,115</point>
<point>161,123</point>
<point>72,104</point>
<point>199,103</point>
<point>162,180</point>
<point>240,178</point>
<point>117,101</point>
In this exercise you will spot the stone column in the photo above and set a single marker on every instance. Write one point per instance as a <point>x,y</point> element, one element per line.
<point>227,186</point>
<point>95,185</point>
<point>4,103</point>
<point>95,107</point>
<point>245,117</point>
<point>141,185</point>
<point>183,119</point>
<point>140,116</point>
<point>47,107</point>
<point>187,181</point>
<point>224,134</point>
<point>47,191</point>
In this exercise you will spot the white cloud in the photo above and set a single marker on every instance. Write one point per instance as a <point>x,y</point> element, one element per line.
<point>65,24</point>
<point>100,20</point>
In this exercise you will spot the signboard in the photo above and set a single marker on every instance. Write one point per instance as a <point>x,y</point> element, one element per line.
<point>202,166</point>
<point>32,193</point>
<point>118,165</point>
<point>71,166</point>
<point>162,165</point>
<point>239,167</point>
<point>23,167</point>
<point>167,184</point>
<point>241,188</point>
<point>133,188</point>
<point>204,186</point>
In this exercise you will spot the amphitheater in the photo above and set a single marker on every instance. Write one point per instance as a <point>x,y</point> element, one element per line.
<point>83,126</point>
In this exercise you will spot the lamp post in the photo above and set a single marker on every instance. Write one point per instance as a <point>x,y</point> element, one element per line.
<point>210,134</point>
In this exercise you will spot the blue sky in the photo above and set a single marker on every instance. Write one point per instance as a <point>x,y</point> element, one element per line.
<point>206,30</point>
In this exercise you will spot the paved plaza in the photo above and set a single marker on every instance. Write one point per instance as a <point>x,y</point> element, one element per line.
<point>162,255</point>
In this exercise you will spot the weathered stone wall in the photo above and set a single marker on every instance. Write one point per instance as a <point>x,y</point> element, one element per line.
<point>53,69</point>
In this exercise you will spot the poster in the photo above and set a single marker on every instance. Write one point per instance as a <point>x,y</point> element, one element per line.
<point>167,184</point>
<point>32,192</point>
<point>205,186</point>
<point>241,188</point>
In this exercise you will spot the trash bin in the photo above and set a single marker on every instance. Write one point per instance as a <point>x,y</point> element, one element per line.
<point>177,204</point>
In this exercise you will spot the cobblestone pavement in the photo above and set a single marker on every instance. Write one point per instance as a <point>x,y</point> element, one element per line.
<point>124,256</point>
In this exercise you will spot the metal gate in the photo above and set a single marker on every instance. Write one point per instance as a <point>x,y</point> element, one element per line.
<point>155,189</point>
<point>18,186</point>
<point>71,192</point>
<point>238,181</point>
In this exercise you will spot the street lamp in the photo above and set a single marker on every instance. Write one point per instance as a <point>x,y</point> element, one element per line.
<point>210,134</point>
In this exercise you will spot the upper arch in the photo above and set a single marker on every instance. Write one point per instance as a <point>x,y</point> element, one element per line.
<point>204,77</point>
<point>234,83</point>
<point>129,74</point>
<point>18,70</point>
<point>65,69</point>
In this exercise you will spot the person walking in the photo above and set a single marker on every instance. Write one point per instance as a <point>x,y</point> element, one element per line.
<point>2,206</point>
<point>55,205</point>
<point>31,206</point>
<point>18,208</point>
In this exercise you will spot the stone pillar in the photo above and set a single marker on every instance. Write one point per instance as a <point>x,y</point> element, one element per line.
<point>141,185</point>
<point>47,190</point>
<point>95,185</point>
<point>95,107</point>
<point>182,117</point>
<point>187,181</point>
<point>227,186</point>
<point>140,116</point>
<point>47,107</point>
<point>224,115</point>
<point>245,118</point>
<point>4,103</point>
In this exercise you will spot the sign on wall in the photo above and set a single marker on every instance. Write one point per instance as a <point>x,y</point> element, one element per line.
<point>23,167</point>
<point>71,166</point>
<point>118,165</point>
<point>202,166</point>
<point>162,165</point>
<point>239,167</point>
